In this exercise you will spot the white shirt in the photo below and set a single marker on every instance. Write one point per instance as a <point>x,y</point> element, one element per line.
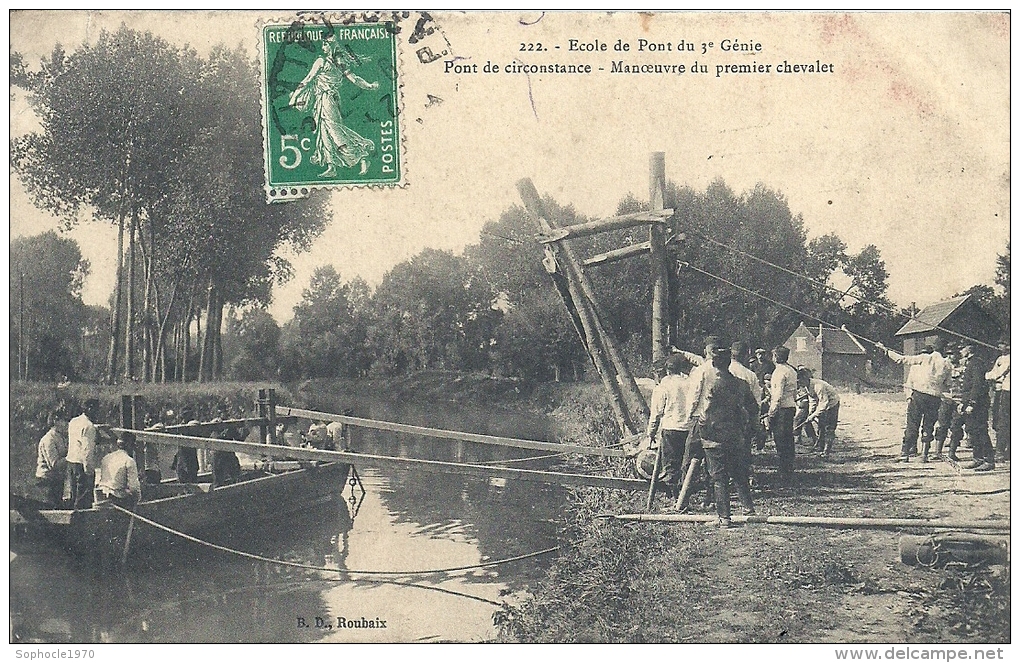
<point>118,475</point>
<point>52,449</point>
<point>669,405</point>
<point>783,387</point>
<point>929,373</point>
<point>738,370</point>
<point>1000,373</point>
<point>81,442</point>
<point>823,394</point>
<point>695,396</point>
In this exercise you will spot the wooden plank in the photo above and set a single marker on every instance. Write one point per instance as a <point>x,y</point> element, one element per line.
<point>821,521</point>
<point>604,225</point>
<point>210,426</point>
<point>448,434</point>
<point>373,460</point>
<point>618,254</point>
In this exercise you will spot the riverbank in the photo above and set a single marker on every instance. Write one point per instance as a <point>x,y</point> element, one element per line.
<point>649,582</point>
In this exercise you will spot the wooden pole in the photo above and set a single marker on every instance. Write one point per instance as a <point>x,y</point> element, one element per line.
<point>660,271</point>
<point>348,420</point>
<point>819,521</point>
<point>654,217</point>
<point>618,254</point>
<point>373,460</point>
<point>655,477</point>
<point>533,203</point>
<point>271,412</point>
<point>634,401</point>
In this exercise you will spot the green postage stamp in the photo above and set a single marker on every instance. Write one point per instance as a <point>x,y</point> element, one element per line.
<point>330,100</point>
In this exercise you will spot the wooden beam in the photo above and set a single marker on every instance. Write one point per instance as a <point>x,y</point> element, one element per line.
<point>373,460</point>
<point>211,426</point>
<point>820,521</point>
<point>582,304</point>
<point>659,267</point>
<point>449,434</point>
<point>604,225</point>
<point>618,254</point>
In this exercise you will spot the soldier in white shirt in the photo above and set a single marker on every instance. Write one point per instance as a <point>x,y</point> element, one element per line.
<point>824,409</point>
<point>81,455</point>
<point>118,474</point>
<point>927,382</point>
<point>51,461</point>
<point>1000,417</point>
<point>668,416</point>
<point>782,408</point>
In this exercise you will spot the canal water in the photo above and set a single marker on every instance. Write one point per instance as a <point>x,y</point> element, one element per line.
<point>406,521</point>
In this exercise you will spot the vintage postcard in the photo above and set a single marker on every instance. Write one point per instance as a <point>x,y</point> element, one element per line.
<point>511,327</point>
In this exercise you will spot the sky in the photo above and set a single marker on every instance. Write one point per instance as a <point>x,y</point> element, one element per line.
<point>905,144</point>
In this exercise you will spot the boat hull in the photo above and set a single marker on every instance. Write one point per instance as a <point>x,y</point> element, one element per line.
<point>200,512</point>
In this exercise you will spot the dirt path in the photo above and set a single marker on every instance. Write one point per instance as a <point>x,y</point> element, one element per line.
<point>786,584</point>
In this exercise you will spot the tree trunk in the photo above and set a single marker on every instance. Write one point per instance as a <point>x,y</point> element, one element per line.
<point>161,332</point>
<point>148,370</point>
<point>205,358</point>
<point>218,363</point>
<point>129,321</point>
<point>111,358</point>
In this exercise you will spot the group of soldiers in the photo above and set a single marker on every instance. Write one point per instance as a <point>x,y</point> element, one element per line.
<point>711,410</point>
<point>69,469</point>
<point>72,472</point>
<point>951,395</point>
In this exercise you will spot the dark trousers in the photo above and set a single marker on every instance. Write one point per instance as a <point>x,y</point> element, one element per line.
<point>1002,426</point>
<point>695,450</point>
<point>781,424</point>
<point>227,469</point>
<point>53,485</point>
<point>81,483</point>
<point>827,420</point>
<point>186,465</point>
<point>729,462</point>
<point>975,425</point>
<point>922,412</point>
<point>674,445</point>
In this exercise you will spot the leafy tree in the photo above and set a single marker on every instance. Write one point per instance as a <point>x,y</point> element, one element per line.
<point>46,277</point>
<point>434,311</point>
<point>535,338</point>
<point>327,335</point>
<point>253,339</point>
<point>167,145</point>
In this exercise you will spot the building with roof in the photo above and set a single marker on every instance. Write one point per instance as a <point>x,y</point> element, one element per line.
<point>832,354</point>
<point>961,315</point>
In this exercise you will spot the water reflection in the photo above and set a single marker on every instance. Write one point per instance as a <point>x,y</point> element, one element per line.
<point>408,521</point>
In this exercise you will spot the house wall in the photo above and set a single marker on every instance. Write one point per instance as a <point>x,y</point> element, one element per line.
<point>805,350</point>
<point>843,369</point>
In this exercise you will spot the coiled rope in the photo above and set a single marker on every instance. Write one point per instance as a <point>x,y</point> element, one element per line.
<point>311,567</point>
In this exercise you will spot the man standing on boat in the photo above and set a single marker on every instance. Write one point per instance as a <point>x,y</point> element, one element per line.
<point>118,474</point>
<point>81,455</point>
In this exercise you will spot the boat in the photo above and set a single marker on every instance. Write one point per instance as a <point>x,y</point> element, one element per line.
<point>265,492</point>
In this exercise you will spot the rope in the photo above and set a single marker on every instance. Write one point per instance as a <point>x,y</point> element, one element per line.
<point>773,301</point>
<point>842,293</point>
<point>309,567</point>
